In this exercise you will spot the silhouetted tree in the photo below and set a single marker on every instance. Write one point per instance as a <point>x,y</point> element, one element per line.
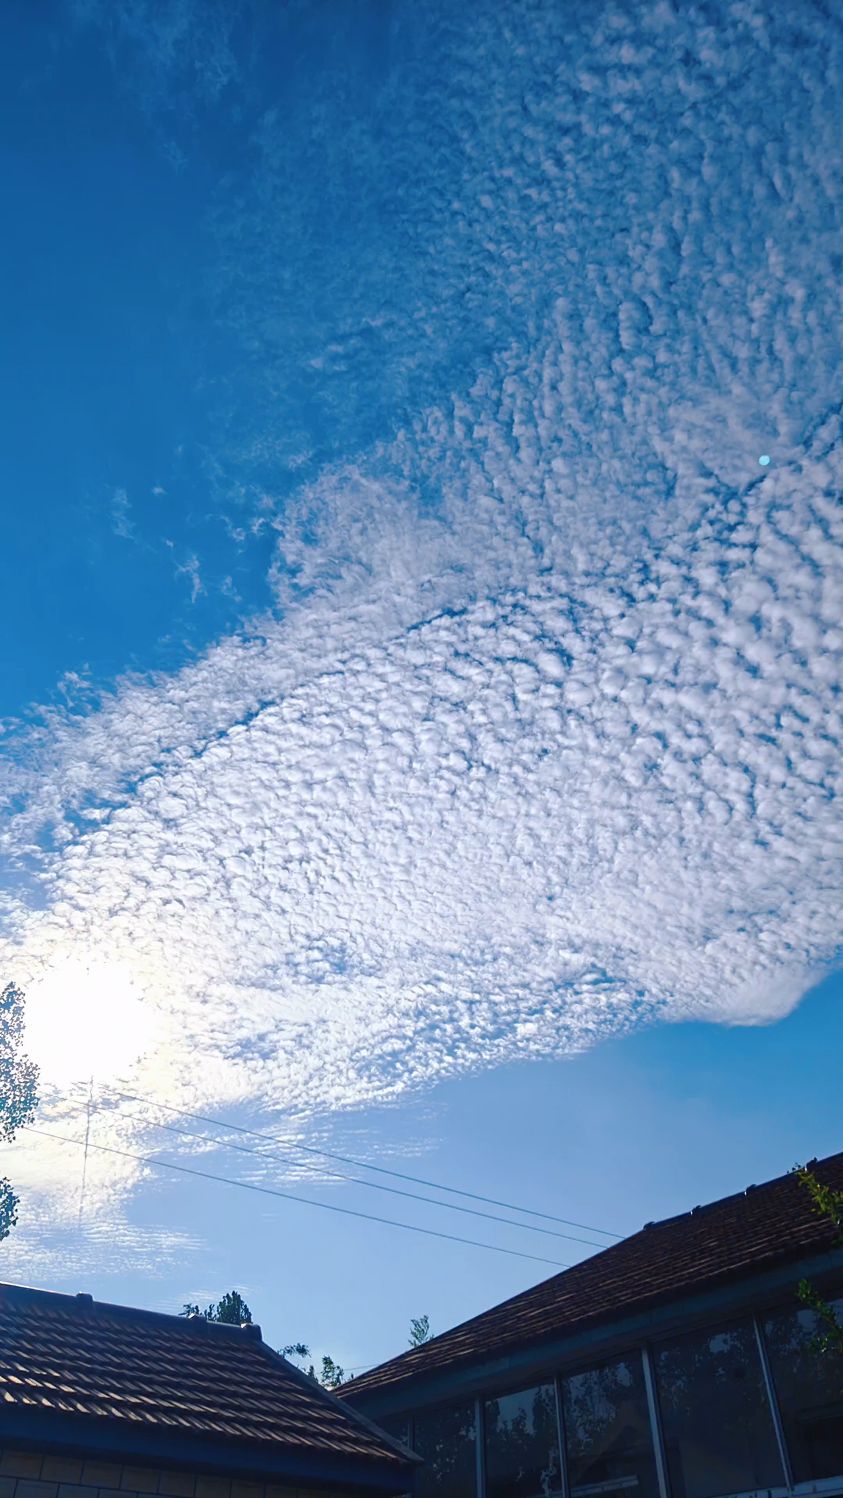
<point>18,1090</point>
<point>330,1376</point>
<point>231,1309</point>
<point>419,1330</point>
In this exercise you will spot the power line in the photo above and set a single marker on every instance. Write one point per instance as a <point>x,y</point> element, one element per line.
<point>309,1149</point>
<point>88,1109</point>
<point>290,1196</point>
<point>263,1154</point>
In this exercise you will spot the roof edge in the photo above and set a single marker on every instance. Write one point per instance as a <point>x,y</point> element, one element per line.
<point>81,1301</point>
<point>269,1462</point>
<point>371,1428</point>
<point>728,1275</point>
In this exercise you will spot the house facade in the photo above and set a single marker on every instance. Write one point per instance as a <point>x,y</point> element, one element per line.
<point>100,1401</point>
<point>679,1363</point>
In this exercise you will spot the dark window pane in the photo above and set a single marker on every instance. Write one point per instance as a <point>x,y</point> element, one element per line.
<point>607,1431</point>
<point>397,1426</point>
<point>718,1429</point>
<point>445,1439</point>
<point>522,1444</point>
<point>809,1386</point>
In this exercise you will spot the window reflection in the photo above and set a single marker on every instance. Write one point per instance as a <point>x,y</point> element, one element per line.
<point>718,1429</point>
<point>445,1438</point>
<point>397,1426</point>
<point>809,1387</point>
<point>607,1431</point>
<point>522,1444</point>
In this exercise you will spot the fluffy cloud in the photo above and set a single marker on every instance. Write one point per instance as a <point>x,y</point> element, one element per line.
<point>542,739</point>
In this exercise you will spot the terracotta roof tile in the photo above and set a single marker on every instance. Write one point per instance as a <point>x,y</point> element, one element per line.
<point>726,1239</point>
<point>203,1379</point>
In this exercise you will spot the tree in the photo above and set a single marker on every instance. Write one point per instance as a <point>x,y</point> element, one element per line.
<point>232,1310</point>
<point>331,1376</point>
<point>295,1350</point>
<point>419,1330</point>
<point>828,1203</point>
<point>18,1090</point>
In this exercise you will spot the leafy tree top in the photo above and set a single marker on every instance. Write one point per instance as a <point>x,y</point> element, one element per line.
<point>231,1309</point>
<point>827,1202</point>
<point>330,1376</point>
<point>419,1330</point>
<point>18,1075</point>
<point>18,1090</point>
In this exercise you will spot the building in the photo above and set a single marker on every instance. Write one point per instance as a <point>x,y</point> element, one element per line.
<point>678,1363</point>
<point>101,1401</point>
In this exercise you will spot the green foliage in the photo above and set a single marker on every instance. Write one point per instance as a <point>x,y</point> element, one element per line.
<point>828,1203</point>
<point>830,1339</point>
<point>232,1310</point>
<point>18,1090</point>
<point>295,1350</point>
<point>18,1075</point>
<point>8,1208</point>
<point>331,1375</point>
<point>419,1330</point>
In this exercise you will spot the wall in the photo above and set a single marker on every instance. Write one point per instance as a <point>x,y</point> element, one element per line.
<point>32,1475</point>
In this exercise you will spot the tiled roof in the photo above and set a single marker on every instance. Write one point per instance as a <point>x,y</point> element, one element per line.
<point>723,1241</point>
<point>143,1375</point>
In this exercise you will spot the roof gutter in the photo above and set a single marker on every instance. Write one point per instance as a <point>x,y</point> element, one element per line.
<point>536,1357</point>
<point>137,1444</point>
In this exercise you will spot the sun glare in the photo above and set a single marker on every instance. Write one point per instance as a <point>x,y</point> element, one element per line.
<point>86,1020</point>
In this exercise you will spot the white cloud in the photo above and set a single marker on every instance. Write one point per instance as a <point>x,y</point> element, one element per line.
<point>382,845</point>
<point>191,569</point>
<point>543,739</point>
<point>121,510</point>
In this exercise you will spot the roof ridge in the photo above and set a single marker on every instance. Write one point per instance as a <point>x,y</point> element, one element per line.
<point>731,1196</point>
<point>532,1299</point>
<point>81,1299</point>
<point>251,1410</point>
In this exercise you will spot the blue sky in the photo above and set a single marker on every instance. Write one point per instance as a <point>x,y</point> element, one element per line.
<point>421,709</point>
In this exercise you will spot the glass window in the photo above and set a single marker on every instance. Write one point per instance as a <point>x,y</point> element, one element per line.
<point>522,1444</point>
<point>607,1431</point>
<point>397,1426</point>
<point>718,1429</point>
<point>444,1438</point>
<point>809,1387</point>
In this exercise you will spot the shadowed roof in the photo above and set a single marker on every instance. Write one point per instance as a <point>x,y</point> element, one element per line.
<point>79,1367</point>
<point>723,1241</point>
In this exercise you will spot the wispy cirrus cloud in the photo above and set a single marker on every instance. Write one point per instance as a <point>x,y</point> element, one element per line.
<point>542,738</point>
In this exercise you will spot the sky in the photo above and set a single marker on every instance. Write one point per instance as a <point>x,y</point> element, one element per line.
<point>420,691</point>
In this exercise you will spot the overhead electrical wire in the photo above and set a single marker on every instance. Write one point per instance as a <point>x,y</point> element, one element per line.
<point>309,1149</point>
<point>88,1110</point>
<point>263,1154</point>
<point>291,1196</point>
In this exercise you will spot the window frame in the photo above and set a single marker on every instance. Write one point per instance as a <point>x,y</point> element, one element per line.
<point>831,1289</point>
<point>551,1381</point>
<point>825,1487</point>
<point>749,1322</point>
<point>641,1351</point>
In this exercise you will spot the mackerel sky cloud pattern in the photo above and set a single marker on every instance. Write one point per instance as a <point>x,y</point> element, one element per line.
<point>541,737</point>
